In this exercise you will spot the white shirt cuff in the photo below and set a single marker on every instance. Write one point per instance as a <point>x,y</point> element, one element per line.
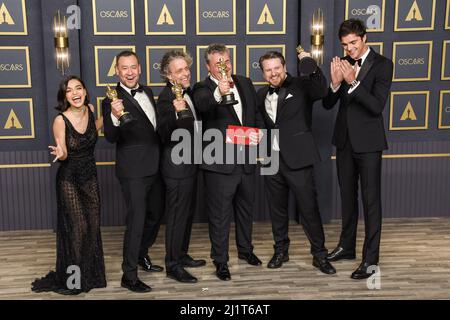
<point>333,89</point>
<point>217,95</point>
<point>115,121</point>
<point>353,88</point>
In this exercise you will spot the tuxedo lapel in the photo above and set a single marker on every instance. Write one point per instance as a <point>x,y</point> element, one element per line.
<point>241,92</point>
<point>262,104</point>
<point>366,65</point>
<point>124,94</point>
<point>281,97</point>
<point>149,94</point>
<point>282,94</point>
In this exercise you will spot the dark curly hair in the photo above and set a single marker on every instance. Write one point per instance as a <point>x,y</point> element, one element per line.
<point>168,57</point>
<point>63,104</point>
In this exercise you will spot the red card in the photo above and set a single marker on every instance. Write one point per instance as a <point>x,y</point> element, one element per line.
<point>240,135</point>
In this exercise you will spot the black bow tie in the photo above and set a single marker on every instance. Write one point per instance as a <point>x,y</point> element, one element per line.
<point>187,90</point>
<point>273,90</point>
<point>353,61</point>
<point>139,89</point>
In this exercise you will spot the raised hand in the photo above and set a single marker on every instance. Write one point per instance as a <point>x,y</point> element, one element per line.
<point>348,71</point>
<point>255,137</point>
<point>57,151</point>
<point>117,108</point>
<point>179,105</point>
<point>336,73</point>
<point>224,86</point>
<point>303,54</point>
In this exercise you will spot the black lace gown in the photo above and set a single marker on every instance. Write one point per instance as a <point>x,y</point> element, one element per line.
<point>78,239</point>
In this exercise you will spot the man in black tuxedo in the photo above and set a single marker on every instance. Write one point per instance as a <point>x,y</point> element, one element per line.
<point>180,178</point>
<point>137,167</point>
<point>361,82</point>
<point>230,185</point>
<point>286,104</point>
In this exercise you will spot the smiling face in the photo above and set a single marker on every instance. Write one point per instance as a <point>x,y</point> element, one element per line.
<point>273,71</point>
<point>75,93</point>
<point>179,72</point>
<point>128,70</point>
<point>354,45</point>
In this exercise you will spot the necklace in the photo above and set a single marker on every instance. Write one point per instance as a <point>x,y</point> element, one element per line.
<point>78,110</point>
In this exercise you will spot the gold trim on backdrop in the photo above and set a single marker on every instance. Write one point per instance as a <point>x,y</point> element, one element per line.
<point>161,33</point>
<point>105,163</point>
<point>441,107</point>
<point>94,15</point>
<point>283,31</point>
<point>447,16</point>
<point>97,75</point>
<point>431,27</point>
<point>444,54</point>
<point>30,105</point>
<point>383,10</point>
<point>381,44</point>
<point>25,165</point>
<point>411,155</point>
<point>200,60</point>
<point>25,25</point>
<point>99,112</point>
<point>394,58</point>
<point>256,46</point>
<point>208,33</point>
<point>391,112</point>
<point>46,165</point>
<point>147,59</point>
<point>27,59</point>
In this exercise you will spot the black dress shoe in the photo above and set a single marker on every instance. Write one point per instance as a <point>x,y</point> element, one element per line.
<point>341,254</point>
<point>147,265</point>
<point>251,258</point>
<point>323,265</point>
<point>178,273</point>
<point>222,271</point>
<point>135,286</point>
<point>189,262</point>
<point>278,259</point>
<point>361,272</point>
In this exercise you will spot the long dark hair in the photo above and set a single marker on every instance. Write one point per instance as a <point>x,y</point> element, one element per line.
<point>63,104</point>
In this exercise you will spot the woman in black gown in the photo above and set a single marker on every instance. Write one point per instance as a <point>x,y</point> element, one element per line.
<point>79,254</point>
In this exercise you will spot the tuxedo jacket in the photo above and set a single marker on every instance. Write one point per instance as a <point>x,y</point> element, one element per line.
<point>360,115</point>
<point>294,116</point>
<point>220,117</point>
<point>167,124</point>
<point>138,144</point>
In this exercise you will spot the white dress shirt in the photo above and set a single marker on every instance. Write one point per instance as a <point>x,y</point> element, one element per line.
<point>238,106</point>
<point>358,68</point>
<point>145,104</point>
<point>271,104</point>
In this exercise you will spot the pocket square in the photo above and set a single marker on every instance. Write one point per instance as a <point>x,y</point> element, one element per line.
<point>289,96</point>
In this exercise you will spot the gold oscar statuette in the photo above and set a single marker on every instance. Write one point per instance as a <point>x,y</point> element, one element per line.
<point>125,117</point>
<point>186,113</point>
<point>227,98</point>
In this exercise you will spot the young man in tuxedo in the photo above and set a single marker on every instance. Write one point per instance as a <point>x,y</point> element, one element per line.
<point>286,105</point>
<point>175,113</point>
<point>230,187</point>
<point>361,82</point>
<point>137,167</point>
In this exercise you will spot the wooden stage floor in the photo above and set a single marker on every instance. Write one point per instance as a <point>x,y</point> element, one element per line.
<point>415,264</point>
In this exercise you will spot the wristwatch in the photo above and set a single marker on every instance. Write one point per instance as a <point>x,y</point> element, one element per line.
<point>354,83</point>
